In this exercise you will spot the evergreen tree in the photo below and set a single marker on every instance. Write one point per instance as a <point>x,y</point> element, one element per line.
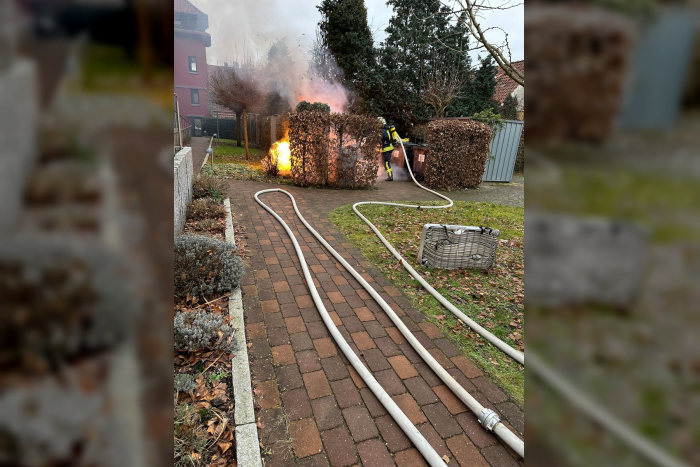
<point>343,29</point>
<point>278,60</point>
<point>483,86</point>
<point>509,108</point>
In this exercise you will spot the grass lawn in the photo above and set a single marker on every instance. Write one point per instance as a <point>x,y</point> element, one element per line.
<point>230,162</point>
<point>229,152</point>
<point>494,299</point>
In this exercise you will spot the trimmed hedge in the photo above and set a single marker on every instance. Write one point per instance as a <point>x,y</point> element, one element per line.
<point>337,150</point>
<point>458,153</point>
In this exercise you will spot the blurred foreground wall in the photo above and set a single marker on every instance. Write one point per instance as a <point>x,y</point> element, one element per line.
<point>613,229</point>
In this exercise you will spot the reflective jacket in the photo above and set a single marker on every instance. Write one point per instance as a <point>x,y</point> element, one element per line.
<point>388,137</point>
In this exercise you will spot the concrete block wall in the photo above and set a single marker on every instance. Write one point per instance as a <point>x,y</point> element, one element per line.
<point>184,171</point>
<point>18,138</point>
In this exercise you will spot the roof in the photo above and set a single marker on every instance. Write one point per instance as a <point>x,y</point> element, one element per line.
<point>504,84</point>
<point>185,6</point>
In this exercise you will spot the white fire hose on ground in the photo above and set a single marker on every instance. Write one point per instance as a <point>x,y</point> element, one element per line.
<point>487,417</point>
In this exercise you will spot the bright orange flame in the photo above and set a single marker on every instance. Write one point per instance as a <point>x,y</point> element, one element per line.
<point>280,151</point>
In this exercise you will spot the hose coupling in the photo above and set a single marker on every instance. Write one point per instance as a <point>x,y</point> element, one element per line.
<point>488,418</point>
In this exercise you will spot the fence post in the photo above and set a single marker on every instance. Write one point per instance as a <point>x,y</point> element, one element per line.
<point>177,118</point>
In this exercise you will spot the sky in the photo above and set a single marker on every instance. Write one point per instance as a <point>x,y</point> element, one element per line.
<point>245,26</point>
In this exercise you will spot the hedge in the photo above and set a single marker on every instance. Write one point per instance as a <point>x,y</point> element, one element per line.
<point>337,150</point>
<point>458,153</point>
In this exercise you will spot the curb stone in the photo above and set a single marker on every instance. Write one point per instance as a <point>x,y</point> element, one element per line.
<point>247,443</point>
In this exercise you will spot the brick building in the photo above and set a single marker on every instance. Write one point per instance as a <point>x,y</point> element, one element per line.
<point>190,62</point>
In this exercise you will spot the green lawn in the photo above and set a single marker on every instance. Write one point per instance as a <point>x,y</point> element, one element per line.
<point>227,151</point>
<point>494,299</point>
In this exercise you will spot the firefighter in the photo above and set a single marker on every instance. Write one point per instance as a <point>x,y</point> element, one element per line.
<point>389,136</point>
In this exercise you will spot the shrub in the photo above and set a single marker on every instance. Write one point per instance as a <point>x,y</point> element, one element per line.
<point>200,330</point>
<point>209,224</point>
<point>205,208</point>
<point>190,436</point>
<point>61,299</point>
<point>269,165</point>
<point>458,153</point>
<point>208,185</point>
<point>205,266</point>
<point>304,106</point>
<point>184,383</point>
<point>339,150</point>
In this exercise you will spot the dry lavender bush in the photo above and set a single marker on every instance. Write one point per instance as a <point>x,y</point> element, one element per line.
<point>205,267</point>
<point>459,150</point>
<point>337,150</point>
<point>196,330</point>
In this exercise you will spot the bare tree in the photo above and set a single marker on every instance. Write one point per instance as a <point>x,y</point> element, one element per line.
<point>471,12</point>
<point>240,87</point>
<point>442,87</point>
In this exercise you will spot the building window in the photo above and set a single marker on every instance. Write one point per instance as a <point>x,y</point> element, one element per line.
<point>195,96</point>
<point>193,64</point>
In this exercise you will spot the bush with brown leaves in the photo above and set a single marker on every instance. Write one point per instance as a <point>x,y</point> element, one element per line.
<point>205,208</point>
<point>458,153</point>
<point>337,150</point>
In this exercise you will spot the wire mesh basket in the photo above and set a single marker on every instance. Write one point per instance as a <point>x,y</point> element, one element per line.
<point>457,246</point>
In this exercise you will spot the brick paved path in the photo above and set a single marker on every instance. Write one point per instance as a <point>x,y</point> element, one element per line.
<point>313,407</point>
<point>199,146</point>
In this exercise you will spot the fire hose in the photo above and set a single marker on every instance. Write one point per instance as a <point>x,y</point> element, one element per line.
<point>487,417</point>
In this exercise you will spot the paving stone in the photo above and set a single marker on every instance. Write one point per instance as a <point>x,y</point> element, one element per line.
<point>269,306</point>
<point>283,355</point>
<point>410,354</point>
<point>428,375</point>
<point>316,384</point>
<point>267,295</point>
<point>296,404</point>
<point>262,370</point>
<point>353,324</point>
<point>336,297</point>
<point>325,347</point>
<point>319,460</point>
<point>374,453</point>
<point>376,409</point>
<point>447,347</point>
<point>327,413</point>
<point>410,457</point>
<point>498,456</point>
<point>513,414</point>
<point>432,436</point>
<point>310,315</point>
<point>339,280</point>
<point>346,393</point>
<point>289,377</point>
<point>359,382</point>
<point>262,274</point>
<point>462,380</point>
<point>281,286</point>
<point>363,341</point>
<point>353,300</point>
<point>301,341</point>
<point>308,361</point>
<point>304,301</point>
<point>343,310</point>
<point>364,314</point>
<point>336,319</point>
<point>467,366</point>
<point>273,320</point>
<point>360,423</point>
<point>409,406</point>
<point>403,367</point>
<point>334,368</point>
<point>255,331</point>
<point>430,330</point>
<point>317,330</point>
<point>387,346</point>
<point>450,400</point>
<point>466,454</point>
<point>441,419</point>
<point>306,438</point>
<point>478,434</point>
<point>339,447</point>
<point>390,382</point>
<point>375,359</point>
<point>394,437</point>
<point>420,390</point>
<point>441,358</point>
<point>489,389</point>
<point>375,329</point>
<point>267,394</point>
<point>290,310</point>
<point>295,325</point>
<point>396,335</point>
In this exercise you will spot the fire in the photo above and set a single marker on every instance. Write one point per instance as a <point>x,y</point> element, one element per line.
<point>280,152</point>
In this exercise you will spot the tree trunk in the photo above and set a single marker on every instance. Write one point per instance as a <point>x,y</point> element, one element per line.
<point>238,129</point>
<point>245,134</point>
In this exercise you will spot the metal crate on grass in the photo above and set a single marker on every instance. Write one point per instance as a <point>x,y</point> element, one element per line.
<point>457,246</point>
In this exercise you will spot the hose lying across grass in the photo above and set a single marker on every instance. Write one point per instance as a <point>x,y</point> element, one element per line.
<point>487,417</point>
